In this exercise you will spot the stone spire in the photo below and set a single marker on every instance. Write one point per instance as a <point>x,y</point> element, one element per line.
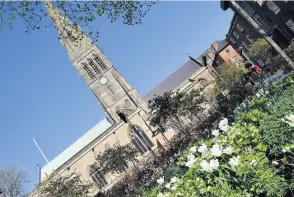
<point>112,91</point>
<point>71,35</point>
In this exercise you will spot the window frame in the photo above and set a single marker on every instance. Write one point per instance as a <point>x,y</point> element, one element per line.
<point>272,6</point>
<point>290,25</point>
<point>249,39</point>
<point>99,180</point>
<point>232,40</point>
<point>226,50</point>
<point>245,45</point>
<point>141,141</point>
<point>258,19</point>
<point>236,34</point>
<point>239,27</point>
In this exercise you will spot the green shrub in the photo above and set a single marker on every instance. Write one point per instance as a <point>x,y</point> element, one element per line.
<point>277,133</point>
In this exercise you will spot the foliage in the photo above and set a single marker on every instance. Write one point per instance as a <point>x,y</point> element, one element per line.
<point>290,50</point>
<point>64,186</point>
<point>12,181</point>
<point>115,159</point>
<point>170,108</point>
<point>191,105</point>
<point>241,161</point>
<point>141,180</point>
<point>32,13</point>
<point>260,49</point>
<point>228,76</point>
<point>276,132</point>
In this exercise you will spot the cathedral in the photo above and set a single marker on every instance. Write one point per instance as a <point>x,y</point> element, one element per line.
<point>117,97</point>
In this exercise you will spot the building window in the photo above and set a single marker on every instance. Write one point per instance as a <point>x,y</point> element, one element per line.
<point>140,139</point>
<point>273,7</point>
<point>94,66</point>
<point>99,180</point>
<point>236,34</point>
<point>269,19</point>
<point>249,38</point>
<point>232,40</point>
<point>245,45</point>
<point>258,19</point>
<point>242,4</point>
<point>70,36</point>
<point>290,25</point>
<point>228,51</point>
<point>240,27</point>
<point>203,82</point>
<point>89,72</point>
<point>97,60</point>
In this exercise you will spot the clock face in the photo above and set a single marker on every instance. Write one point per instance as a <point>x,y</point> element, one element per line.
<point>103,80</point>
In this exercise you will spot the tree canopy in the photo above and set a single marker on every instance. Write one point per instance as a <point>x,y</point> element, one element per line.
<point>169,109</point>
<point>229,74</point>
<point>114,160</point>
<point>34,16</point>
<point>64,186</point>
<point>12,181</point>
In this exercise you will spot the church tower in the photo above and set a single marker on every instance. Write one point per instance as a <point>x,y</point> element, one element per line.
<point>109,87</point>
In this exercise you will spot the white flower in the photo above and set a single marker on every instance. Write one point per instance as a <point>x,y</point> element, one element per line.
<point>173,180</point>
<point>173,188</point>
<point>203,150</point>
<point>167,186</point>
<point>290,120</point>
<point>234,161</point>
<point>214,164</point>
<point>215,132</point>
<point>193,149</point>
<point>228,150</point>
<point>253,162</point>
<point>224,124</point>
<point>160,181</point>
<point>216,150</point>
<point>205,166</point>
<point>275,163</point>
<point>191,157</point>
<point>160,195</point>
<point>286,149</point>
<point>225,128</point>
<point>190,163</point>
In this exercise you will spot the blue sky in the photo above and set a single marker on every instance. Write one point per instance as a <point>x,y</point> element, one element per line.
<point>42,95</point>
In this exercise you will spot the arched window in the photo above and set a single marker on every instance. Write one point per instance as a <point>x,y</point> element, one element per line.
<point>89,72</point>
<point>140,139</point>
<point>98,179</point>
<point>94,66</point>
<point>97,60</point>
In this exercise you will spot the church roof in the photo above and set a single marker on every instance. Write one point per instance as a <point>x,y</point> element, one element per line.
<point>74,148</point>
<point>185,71</point>
<point>174,80</point>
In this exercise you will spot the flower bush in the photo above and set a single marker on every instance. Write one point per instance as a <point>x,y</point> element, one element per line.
<point>252,156</point>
